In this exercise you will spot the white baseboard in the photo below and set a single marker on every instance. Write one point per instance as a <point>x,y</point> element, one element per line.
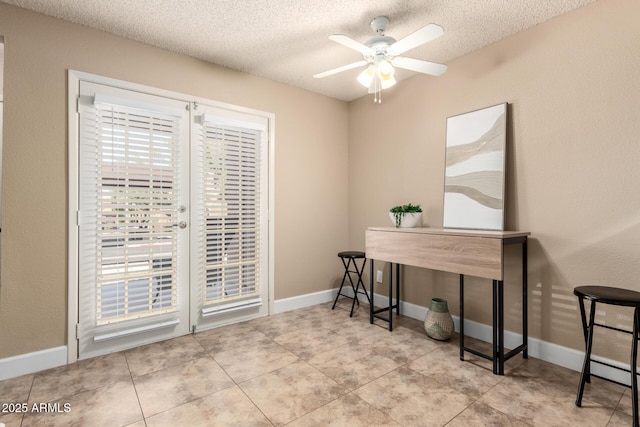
<point>307,300</point>
<point>563,356</point>
<point>29,363</point>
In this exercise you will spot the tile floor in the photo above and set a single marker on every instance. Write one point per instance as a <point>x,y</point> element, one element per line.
<point>311,367</point>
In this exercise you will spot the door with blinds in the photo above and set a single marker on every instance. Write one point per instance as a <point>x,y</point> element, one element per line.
<point>230,216</point>
<point>172,217</point>
<point>132,218</point>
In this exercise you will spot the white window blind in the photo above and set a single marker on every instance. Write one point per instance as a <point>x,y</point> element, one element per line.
<point>230,190</point>
<point>130,180</point>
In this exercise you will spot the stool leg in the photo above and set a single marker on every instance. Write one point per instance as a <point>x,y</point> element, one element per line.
<point>634,361</point>
<point>585,331</point>
<point>360,282</point>
<point>586,367</point>
<point>346,272</point>
<point>355,289</point>
<point>355,294</point>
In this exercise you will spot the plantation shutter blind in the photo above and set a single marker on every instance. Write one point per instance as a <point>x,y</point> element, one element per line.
<point>130,179</point>
<point>230,191</point>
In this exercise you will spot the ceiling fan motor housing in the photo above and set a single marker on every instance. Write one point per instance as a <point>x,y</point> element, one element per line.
<point>378,45</point>
<point>380,42</point>
<point>379,24</point>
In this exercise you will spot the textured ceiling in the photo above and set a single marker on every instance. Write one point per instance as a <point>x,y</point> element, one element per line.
<point>287,40</point>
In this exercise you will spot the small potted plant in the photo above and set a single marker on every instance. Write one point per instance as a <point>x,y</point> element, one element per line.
<point>406,216</point>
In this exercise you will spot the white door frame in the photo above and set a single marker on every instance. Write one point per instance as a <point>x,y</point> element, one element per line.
<point>74,78</point>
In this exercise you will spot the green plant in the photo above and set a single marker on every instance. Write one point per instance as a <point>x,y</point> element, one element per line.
<point>399,211</point>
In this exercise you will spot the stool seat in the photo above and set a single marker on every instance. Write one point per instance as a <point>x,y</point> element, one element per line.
<point>609,295</point>
<point>351,254</point>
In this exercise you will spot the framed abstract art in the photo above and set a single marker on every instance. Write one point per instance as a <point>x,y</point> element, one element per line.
<point>475,169</point>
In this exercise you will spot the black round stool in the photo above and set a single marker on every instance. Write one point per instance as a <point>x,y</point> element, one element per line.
<point>612,296</point>
<point>351,257</point>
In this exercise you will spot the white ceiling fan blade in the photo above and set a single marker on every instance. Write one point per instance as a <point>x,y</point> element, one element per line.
<point>350,43</point>
<point>423,35</point>
<point>419,65</point>
<point>340,69</point>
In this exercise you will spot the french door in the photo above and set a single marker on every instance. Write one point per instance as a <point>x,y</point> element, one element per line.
<point>229,189</point>
<point>172,217</point>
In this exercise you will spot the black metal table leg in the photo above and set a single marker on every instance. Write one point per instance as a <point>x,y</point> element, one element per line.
<point>371,264</point>
<point>398,289</point>
<point>461,317</point>
<point>500,327</point>
<point>390,296</point>
<point>498,355</point>
<point>525,305</point>
<point>495,326</point>
<point>373,313</point>
<point>634,362</point>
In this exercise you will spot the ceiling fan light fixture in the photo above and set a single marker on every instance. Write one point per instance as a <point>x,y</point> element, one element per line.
<point>382,73</point>
<point>378,85</point>
<point>387,83</point>
<point>386,74</point>
<point>385,70</point>
<point>366,77</point>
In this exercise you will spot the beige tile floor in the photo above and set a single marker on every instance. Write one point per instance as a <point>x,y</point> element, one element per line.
<point>311,367</point>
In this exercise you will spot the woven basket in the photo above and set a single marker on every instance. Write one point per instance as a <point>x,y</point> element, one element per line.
<point>438,322</point>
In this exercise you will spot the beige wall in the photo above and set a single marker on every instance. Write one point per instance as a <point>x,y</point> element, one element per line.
<point>310,162</point>
<point>573,85</point>
<point>573,88</point>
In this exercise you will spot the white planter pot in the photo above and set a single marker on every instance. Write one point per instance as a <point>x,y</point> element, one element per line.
<point>409,219</point>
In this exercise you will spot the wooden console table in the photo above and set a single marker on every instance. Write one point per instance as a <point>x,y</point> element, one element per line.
<point>477,253</point>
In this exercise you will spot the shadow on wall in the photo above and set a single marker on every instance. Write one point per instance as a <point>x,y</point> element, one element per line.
<point>608,257</point>
<point>553,310</point>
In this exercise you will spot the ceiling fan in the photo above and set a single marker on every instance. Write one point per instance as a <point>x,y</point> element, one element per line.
<point>381,53</point>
